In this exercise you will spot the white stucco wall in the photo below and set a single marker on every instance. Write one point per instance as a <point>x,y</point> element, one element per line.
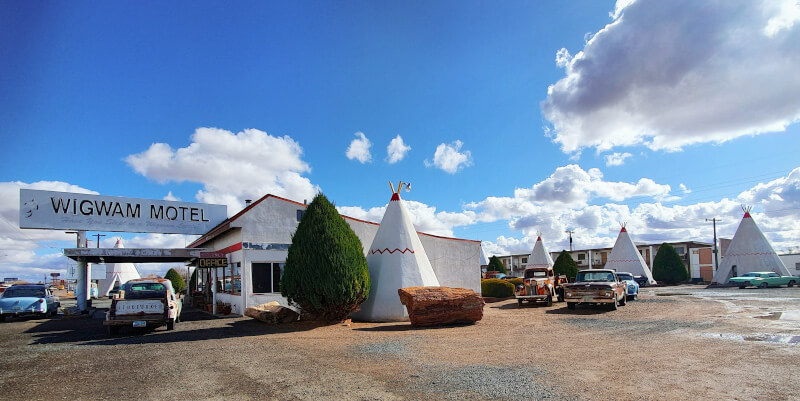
<point>269,225</point>
<point>791,262</point>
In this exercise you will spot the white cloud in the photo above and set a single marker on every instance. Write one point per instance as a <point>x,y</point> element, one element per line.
<point>685,189</point>
<point>616,158</point>
<point>231,167</point>
<point>359,149</point>
<point>396,150</point>
<point>449,158</point>
<point>667,74</point>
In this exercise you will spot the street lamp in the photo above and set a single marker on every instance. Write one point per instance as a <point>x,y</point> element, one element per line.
<point>570,232</point>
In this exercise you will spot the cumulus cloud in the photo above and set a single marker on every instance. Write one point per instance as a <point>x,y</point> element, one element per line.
<point>359,149</point>
<point>449,158</point>
<point>616,158</point>
<point>667,74</point>
<point>231,167</point>
<point>396,150</point>
<point>685,189</point>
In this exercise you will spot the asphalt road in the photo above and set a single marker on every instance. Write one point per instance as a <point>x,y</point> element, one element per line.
<point>673,343</point>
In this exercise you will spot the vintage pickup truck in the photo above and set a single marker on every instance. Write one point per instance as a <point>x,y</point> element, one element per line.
<point>144,302</point>
<point>595,286</point>
<point>540,284</point>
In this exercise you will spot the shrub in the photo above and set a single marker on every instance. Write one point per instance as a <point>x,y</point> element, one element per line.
<point>496,288</point>
<point>515,281</point>
<point>496,265</point>
<point>565,265</point>
<point>326,272</point>
<point>668,265</point>
<point>178,284</point>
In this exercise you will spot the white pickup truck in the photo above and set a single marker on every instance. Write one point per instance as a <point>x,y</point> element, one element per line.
<point>144,302</point>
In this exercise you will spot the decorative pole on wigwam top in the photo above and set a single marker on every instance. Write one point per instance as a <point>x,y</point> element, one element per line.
<point>400,185</point>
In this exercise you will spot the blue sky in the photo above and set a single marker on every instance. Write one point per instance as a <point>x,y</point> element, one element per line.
<point>546,115</point>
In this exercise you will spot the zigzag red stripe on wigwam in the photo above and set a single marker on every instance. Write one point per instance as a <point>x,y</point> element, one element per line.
<point>381,251</point>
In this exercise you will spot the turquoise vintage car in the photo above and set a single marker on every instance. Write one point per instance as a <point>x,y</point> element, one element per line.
<point>763,280</point>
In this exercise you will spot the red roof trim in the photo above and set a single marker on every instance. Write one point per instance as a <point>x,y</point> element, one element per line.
<point>232,248</point>
<point>211,233</point>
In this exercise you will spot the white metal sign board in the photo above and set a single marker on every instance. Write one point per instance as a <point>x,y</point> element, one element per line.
<point>72,211</point>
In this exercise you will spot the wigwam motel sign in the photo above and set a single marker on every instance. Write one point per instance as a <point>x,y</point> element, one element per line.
<point>72,211</point>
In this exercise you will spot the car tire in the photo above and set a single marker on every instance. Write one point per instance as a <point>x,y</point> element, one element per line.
<point>791,283</point>
<point>741,287</point>
<point>549,300</point>
<point>112,330</point>
<point>519,303</point>
<point>2,318</point>
<point>623,301</point>
<point>571,305</point>
<point>763,285</point>
<point>171,324</point>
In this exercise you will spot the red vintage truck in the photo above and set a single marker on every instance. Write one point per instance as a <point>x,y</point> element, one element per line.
<point>595,286</point>
<point>540,284</point>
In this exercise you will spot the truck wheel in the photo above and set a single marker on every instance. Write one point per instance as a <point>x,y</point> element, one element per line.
<point>763,285</point>
<point>549,300</point>
<point>171,324</point>
<point>112,330</point>
<point>571,305</point>
<point>623,301</point>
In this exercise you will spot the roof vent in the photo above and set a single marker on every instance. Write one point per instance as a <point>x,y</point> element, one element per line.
<point>247,202</point>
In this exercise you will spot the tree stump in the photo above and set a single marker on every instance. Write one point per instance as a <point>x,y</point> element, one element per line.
<point>432,306</point>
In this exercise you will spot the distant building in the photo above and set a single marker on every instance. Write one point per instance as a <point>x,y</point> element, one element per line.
<point>792,262</point>
<point>697,256</point>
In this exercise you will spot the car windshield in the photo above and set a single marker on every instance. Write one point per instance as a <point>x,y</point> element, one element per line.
<point>535,273</point>
<point>625,277</point>
<point>595,276</point>
<point>147,287</point>
<point>23,292</point>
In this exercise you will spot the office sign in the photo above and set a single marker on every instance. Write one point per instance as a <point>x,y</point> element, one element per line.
<point>53,210</point>
<point>212,259</point>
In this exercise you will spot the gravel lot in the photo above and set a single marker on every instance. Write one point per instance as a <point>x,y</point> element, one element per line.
<point>682,342</point>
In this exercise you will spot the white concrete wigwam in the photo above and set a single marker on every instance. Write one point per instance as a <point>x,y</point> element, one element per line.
<point>396,259</point>
<point>624,257</point>
<point>749,251</point>
<point>116,274</point>
<point>539,257</point>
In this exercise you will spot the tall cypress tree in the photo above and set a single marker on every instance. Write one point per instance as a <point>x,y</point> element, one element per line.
<point>668,266</point>
<point>496,265</point>
<point>178,283</point>
<point>565,265</point>
<point>326,272</point>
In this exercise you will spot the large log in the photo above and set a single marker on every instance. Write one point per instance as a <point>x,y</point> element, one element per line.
<point>271,313</point>
<point>431,306</point>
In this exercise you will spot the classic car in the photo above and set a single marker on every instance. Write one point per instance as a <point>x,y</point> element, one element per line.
<point>540,284</point>
<point>595,286</point>
<point>144,302</point>
<point>632,290</point>
<point>763,280</point>
<point>28,299</point>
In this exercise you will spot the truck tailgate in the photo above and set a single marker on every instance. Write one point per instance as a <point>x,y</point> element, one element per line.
<point>139,306</point>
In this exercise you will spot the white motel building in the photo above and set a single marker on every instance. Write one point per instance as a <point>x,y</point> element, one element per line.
<point>256,240</point>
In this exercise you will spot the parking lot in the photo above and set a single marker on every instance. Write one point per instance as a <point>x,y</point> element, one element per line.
<point>673,343</point>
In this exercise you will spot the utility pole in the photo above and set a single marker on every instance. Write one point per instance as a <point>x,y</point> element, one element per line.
<point>570,232</point>
<point>98,238</point>
<point>714,220</point>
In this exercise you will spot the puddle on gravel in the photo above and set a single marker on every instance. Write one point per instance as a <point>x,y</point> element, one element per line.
<point>766,338</point>
<point>785,315</point>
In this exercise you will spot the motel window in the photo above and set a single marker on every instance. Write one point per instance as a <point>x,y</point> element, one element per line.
<point>681,250</point>
<point>797,266</point>
<point>581,256</point>
<point>266,277</point>
<point>524,260</point>
<point>220,279</point>
<point>300,214</point>
<point>236,278</point>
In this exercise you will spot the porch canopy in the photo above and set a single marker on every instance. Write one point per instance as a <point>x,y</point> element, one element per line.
<point>134,255</point>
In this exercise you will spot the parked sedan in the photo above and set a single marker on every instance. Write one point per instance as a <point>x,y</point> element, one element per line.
<point>763,280</point>
<point>28,299</point>
<point>632,287</point>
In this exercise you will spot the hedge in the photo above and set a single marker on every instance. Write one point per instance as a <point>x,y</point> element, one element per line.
<point>496,288</point>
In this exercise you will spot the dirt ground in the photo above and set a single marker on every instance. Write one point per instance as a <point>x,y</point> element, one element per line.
<point>673,343</point>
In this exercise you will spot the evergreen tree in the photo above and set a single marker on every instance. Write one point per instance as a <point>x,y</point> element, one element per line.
<point>668,266</point>
<point>496,265</point>
<point>193,280</point>
<point>565,265</point>
<point>178,284</point>
<point>326,272</point>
